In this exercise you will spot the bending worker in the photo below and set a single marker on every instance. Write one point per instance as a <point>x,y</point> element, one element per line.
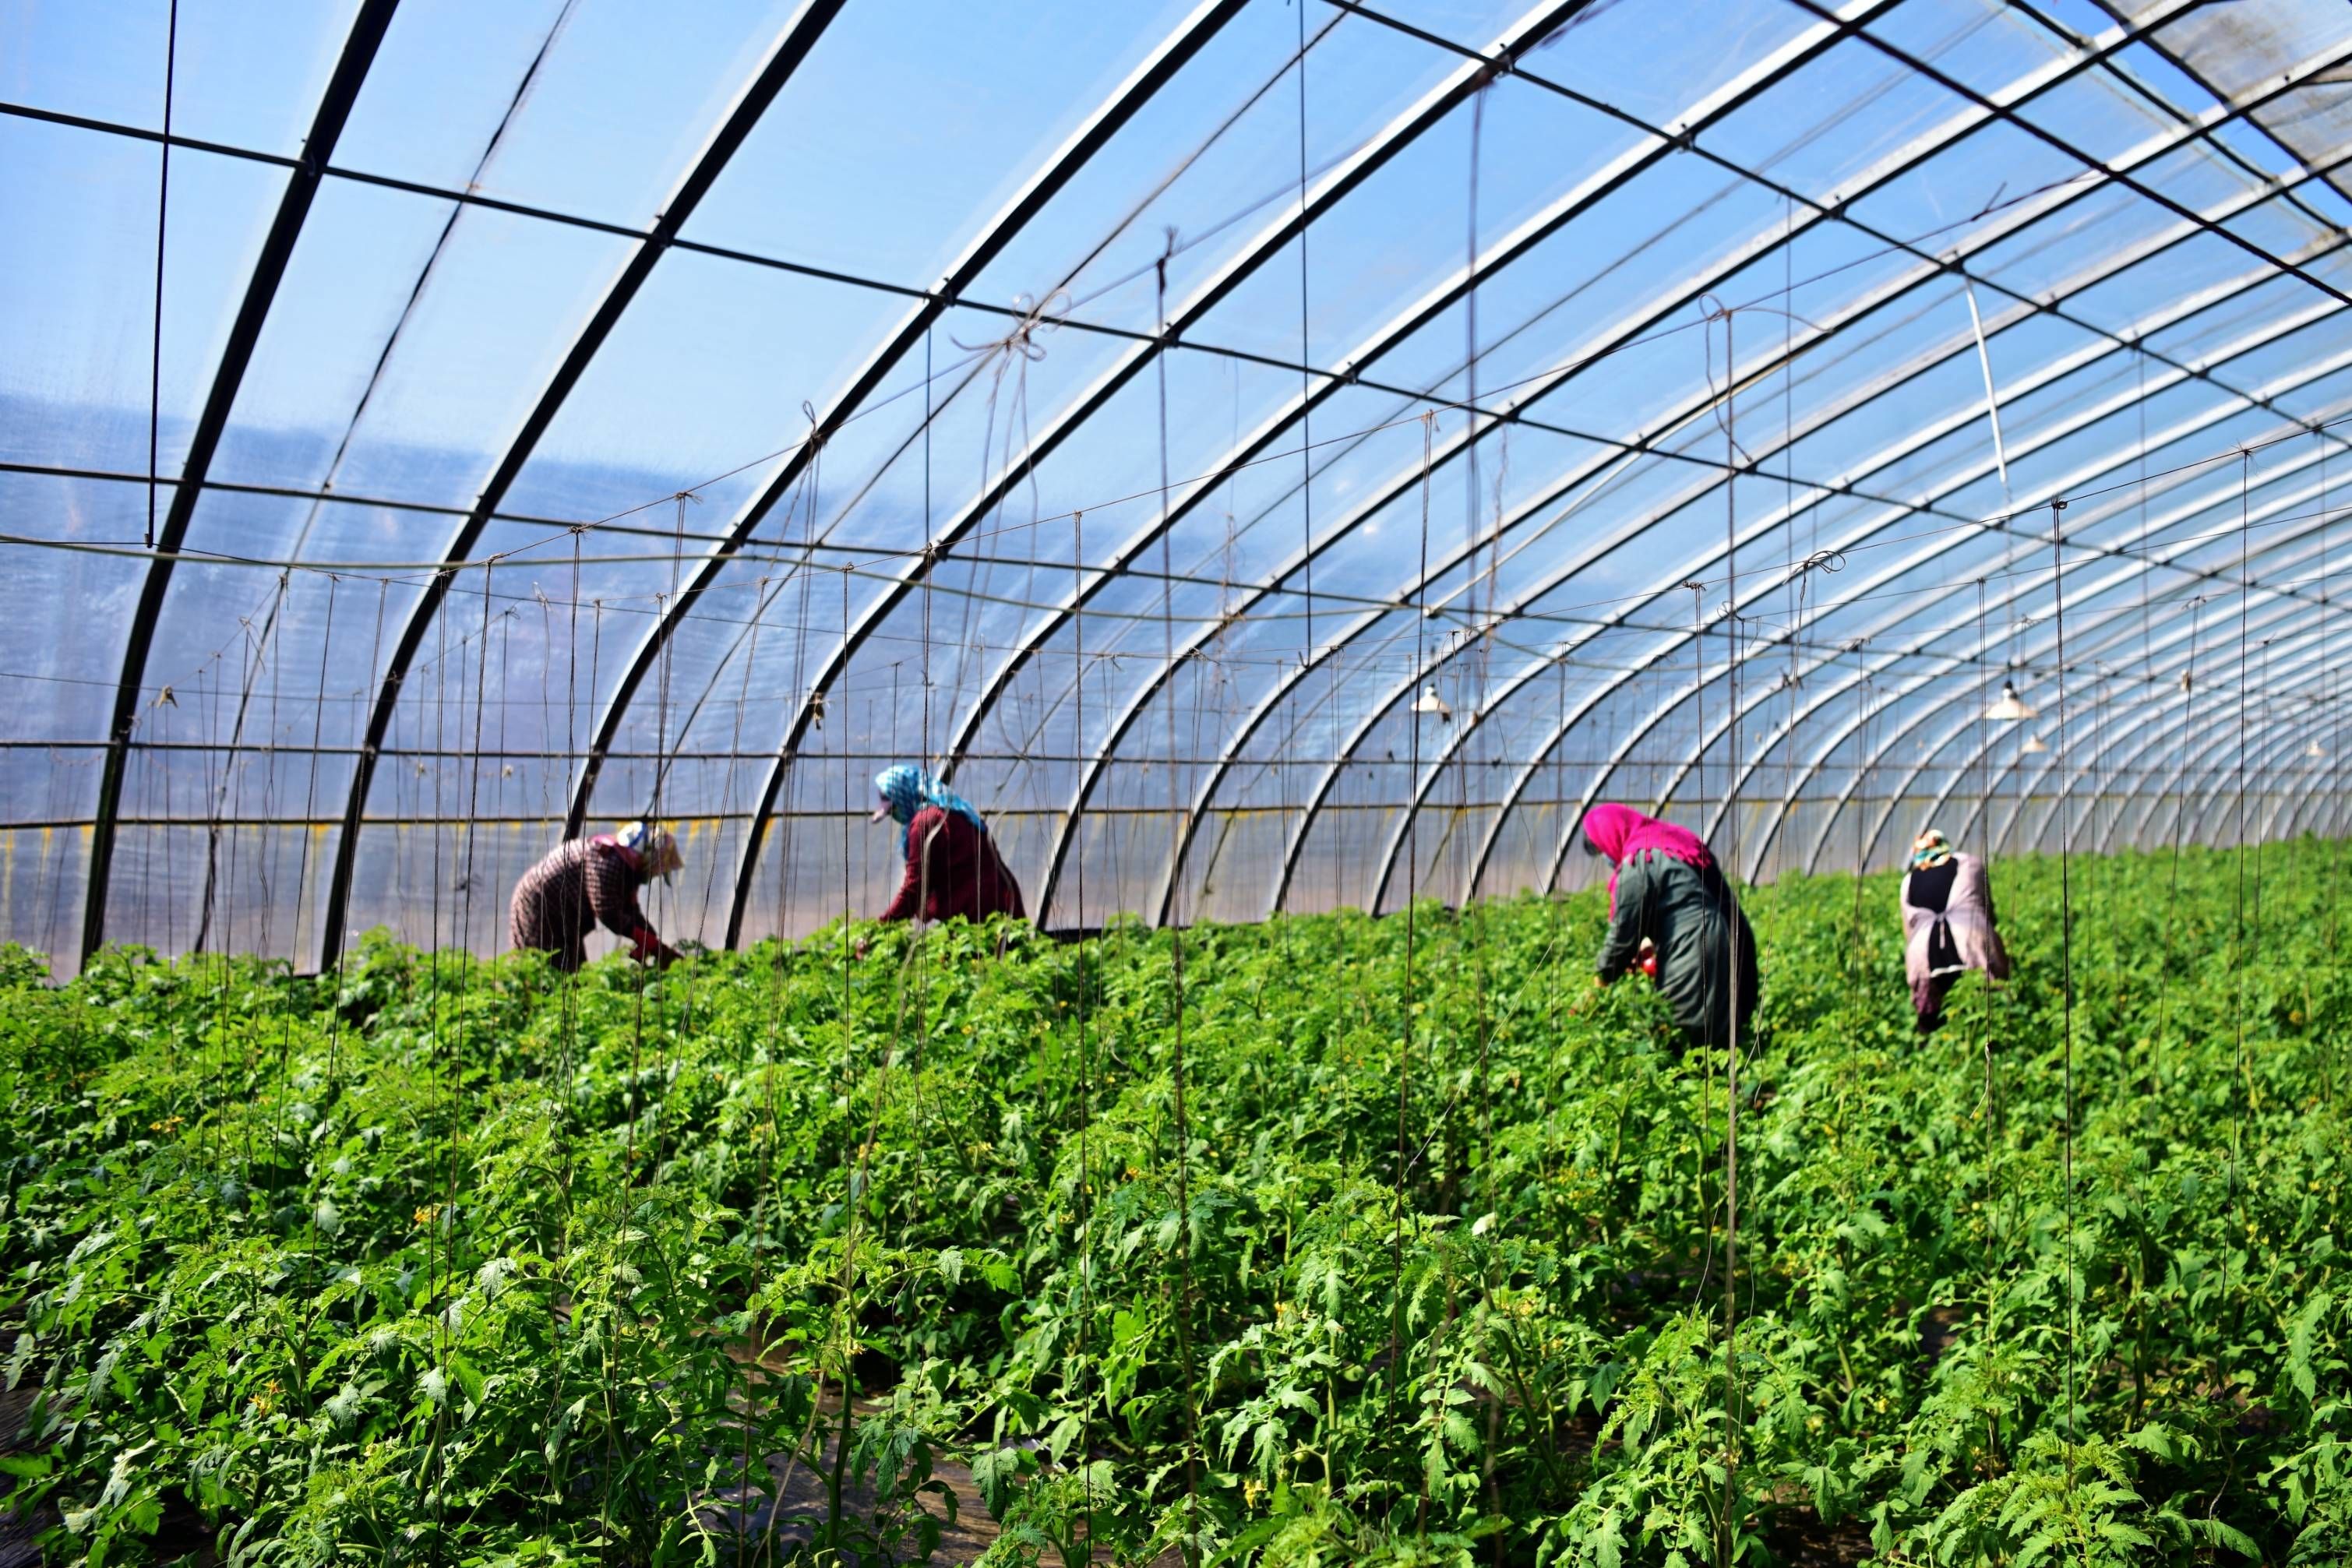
<point>953,866</point>
<point>1947,925</point>
<point>584,880</point>
<point>1667,889</point>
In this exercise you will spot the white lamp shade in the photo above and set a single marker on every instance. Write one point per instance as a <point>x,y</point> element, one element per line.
<point>2009,707</point>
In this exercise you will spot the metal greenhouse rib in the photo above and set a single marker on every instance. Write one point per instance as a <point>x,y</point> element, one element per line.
<point>2034,82</point>
<point>1399,134</point>
<point>334,110</point>
<point>784,57</point>
<point>1124,103</point>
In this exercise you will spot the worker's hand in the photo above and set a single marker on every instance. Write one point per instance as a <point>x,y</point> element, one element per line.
<point>861,947</point>
<point>665,956</point>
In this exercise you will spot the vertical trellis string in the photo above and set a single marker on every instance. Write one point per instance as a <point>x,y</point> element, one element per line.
<point>2238,942</point>
<point>1306,442</point>
<point>1086,956</point>
<point>2066,956</point>
<point>163,211</point>
<point>1413,874</point>
<point>1176,956</point>
<point>1726,1529</point>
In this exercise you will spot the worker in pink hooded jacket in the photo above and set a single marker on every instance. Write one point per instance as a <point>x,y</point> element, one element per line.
<point>1667,890</point>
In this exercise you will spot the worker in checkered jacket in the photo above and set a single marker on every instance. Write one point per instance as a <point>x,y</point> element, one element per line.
<point>584,880</point>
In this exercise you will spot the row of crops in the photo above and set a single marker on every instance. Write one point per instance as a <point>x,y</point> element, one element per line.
<point>1329,1240</point>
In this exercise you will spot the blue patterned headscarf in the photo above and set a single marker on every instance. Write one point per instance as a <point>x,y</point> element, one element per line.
<point>907,789</point>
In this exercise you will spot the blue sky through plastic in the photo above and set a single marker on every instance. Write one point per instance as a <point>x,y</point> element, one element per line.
<point>1747,240</point>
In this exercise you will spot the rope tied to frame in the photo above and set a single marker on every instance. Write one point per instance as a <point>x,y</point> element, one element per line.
<point>1822,561</point>
<point>1711,310</point>
<point>1022,341</point>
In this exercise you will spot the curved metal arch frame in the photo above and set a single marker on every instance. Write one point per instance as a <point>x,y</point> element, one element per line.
<point>1780,517</point>
<point>2009,116</point>
<point>1844,730</point>
<point>1104,757</point>
<point>2094,784</point>
<point>2152,728</point>
<point>2333,703</point>
<point>2156,44</point>
<point>2164,728</point>
<point>2180,769</point>
<point>2195,771</point>
<point>369,25</point>
<point>2135,568</point>
<point>2148,813</point>
<point>791,45</point>
<point>1495,827</point>
<point>1682,640</point>
<point>2298,718</point>
<point>1971,762</point>
<point>1535,766</point>
<point>1565,209</point>
<point>2294,548</point>
<point>1520,784</point>
<point>1955,734</point>
<point>1821,841</point>
<point>2253,734</point>
<point>2280,608</point>
<point>2314,794</point>
<point>1897,163</point>
<point>2289,732</point>
<point>1595,188</point>
<point>1295,676</point>
<point>1530,233</point>
<point>1958,731</point>
<point>1124,102</point>
<point>2315,710</point>
<point>1974,761</point>
<point>1407,127</point>
<point>1976,654</point>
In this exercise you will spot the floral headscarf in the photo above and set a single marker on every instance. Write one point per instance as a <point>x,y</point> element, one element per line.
<point>1930,849</point>
<point>907,789</point>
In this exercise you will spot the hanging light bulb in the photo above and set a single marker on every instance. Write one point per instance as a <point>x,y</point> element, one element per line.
<point>2032,746</point>
<point>2315,749</point>
<point>2009,707</point>
<point>1430,702</point>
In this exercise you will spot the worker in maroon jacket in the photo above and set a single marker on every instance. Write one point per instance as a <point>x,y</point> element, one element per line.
<point>953,866</point>
<point>584,880</point>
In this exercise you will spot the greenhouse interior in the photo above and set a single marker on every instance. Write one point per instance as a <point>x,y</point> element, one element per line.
<point>1417,781</point>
